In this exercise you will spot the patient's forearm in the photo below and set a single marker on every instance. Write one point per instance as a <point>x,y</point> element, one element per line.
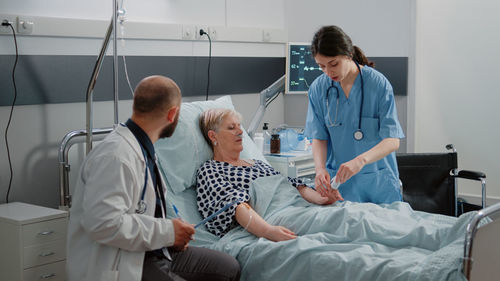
<point>256,225</point>
<point>312,196</point>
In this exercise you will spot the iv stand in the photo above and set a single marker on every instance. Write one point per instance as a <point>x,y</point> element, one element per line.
<point>95,73</point>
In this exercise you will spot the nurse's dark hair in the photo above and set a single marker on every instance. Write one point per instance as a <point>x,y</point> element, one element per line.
<point>155,95</point>
<point>332,41</point>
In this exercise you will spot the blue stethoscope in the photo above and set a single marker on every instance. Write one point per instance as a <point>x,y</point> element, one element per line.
<point>358,134</point>
<point>141,205</point>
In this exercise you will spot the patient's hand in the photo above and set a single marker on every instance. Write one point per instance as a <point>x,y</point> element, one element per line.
<point>183,234</point>
<point>278,233</point>
<point>333,196</point>
<point>313,196</point>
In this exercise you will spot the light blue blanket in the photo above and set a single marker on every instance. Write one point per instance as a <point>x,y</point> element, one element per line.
<point>344,241</point>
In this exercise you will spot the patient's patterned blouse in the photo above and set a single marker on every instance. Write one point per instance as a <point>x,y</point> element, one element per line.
<point>220,183</point>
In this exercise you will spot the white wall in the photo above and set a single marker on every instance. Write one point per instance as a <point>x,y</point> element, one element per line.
<point>37,130</point>
<point>456,94</point>
<point>380,28</point>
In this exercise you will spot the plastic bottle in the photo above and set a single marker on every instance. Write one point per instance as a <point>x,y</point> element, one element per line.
<point>289,139</point>
<point>267,138</point>
<point>334,184</point>
<point>302,143</point>
<point>258,139</point>
<point>275,144</point>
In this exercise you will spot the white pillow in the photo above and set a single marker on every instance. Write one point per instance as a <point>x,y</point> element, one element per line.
<point>186,150</point>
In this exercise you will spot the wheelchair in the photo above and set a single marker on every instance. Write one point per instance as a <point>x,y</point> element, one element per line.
<point>429,182</point>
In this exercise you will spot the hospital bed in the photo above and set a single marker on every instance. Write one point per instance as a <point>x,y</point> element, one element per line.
<point>477,237</point>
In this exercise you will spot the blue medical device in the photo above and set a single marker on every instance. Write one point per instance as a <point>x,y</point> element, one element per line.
<point>216,214</point>
<point>358,134</point>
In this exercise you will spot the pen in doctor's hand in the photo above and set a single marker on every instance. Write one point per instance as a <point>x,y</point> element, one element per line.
<point>176,212</point>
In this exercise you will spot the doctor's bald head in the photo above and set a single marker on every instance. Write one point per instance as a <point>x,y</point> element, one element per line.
<point>155,95</point>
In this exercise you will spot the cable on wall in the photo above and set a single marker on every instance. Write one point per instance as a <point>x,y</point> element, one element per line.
<point>202,32</point>
<point>6,23</point>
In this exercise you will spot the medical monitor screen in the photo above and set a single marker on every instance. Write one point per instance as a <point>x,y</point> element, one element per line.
<point>301,68</point>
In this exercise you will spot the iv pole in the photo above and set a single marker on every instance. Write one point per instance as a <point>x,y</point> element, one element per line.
<point>69,138</point>
<point>95,73</point>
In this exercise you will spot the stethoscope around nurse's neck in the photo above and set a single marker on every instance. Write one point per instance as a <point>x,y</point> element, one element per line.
<point>358,134</point>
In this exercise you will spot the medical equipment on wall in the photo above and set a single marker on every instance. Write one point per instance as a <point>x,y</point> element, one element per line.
<point>358,134</point>
<point>266,97</point>
<point>301,68</point>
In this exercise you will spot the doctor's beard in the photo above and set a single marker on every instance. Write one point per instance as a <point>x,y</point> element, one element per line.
<point>168,131</point>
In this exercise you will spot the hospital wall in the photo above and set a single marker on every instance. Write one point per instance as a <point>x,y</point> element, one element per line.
<point>36,130</point>
<point>456,95</point>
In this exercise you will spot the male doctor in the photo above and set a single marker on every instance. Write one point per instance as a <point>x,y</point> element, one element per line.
<point>117,227</point>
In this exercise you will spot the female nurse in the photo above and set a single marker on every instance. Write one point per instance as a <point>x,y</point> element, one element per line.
<point>353,122</point>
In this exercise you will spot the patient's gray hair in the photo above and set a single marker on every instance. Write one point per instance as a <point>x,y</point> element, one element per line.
<point>211,119</point>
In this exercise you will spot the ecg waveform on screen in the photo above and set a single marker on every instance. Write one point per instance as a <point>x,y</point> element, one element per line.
<point>302,68</point>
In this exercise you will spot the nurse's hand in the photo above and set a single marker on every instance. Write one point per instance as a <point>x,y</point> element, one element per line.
<point>183,234</point>
<point>322,182</point>
<point>349,169</point>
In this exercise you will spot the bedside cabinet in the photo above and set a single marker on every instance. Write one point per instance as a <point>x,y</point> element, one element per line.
<point>32,243</point>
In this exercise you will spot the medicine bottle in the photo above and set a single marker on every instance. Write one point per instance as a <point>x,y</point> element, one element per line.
<point>258,139</point>
<point>267,138</point>
<point>275,143</point>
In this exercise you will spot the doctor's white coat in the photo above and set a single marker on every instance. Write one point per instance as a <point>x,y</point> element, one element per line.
<point>106,238</point>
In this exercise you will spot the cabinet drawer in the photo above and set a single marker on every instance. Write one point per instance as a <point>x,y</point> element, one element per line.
<point>50,272</point>
<point>44,253</point>
<point>44,231</point>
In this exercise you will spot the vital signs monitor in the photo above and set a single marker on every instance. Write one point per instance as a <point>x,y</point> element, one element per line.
<point>301,68</point>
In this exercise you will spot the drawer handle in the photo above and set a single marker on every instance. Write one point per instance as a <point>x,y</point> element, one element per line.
<point>44,233</point>
<point>47,276</point>
<point>46,254</point>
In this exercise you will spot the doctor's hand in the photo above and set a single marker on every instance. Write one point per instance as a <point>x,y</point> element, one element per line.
<point>183,234</point>
<point>322,182</point>
<point>349,169</point>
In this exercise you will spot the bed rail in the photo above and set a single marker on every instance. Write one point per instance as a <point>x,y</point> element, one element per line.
<point>69,140</point>
<point>472,229</point>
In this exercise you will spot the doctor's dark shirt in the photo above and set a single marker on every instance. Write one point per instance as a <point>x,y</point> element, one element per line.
<point>148,148</point>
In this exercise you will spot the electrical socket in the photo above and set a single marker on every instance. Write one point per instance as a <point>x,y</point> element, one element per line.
<point>197,31</point>
<point>24,25</point>
<point>266,35</point>
<point>212,31</point>
<point>6,29</point>
<point>188,32</point>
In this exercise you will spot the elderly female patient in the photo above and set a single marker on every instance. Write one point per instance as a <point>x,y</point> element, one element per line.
<point>226,178</point>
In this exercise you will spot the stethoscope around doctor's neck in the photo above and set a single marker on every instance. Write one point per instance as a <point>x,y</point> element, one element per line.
<point>358,134</point>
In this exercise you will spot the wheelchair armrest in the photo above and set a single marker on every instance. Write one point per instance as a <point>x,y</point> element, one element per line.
<point>471,175</point>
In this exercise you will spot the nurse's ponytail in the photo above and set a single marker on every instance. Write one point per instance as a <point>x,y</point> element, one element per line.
<point>332,41</point>
<point>359,57</point>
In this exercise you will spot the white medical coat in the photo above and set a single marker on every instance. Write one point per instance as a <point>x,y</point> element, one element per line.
<point>106,238</point>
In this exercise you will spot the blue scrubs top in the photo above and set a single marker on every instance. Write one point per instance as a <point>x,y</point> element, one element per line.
<point>377,182</point>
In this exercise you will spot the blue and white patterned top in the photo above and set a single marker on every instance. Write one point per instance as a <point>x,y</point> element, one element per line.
<point>220,183</point>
